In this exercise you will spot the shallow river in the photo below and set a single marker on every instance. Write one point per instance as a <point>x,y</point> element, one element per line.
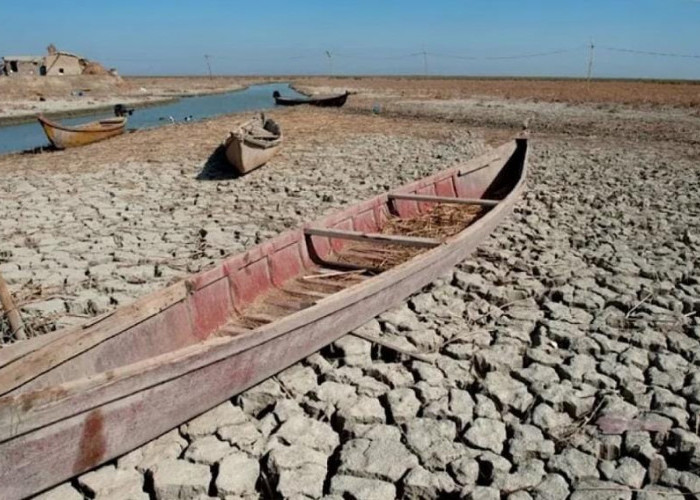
<point>30,135</point>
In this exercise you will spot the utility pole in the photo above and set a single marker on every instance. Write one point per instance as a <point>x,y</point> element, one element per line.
<point>591,50</point>
<point>330,62</point>
<point>425,61</point>
<point>206,58</point>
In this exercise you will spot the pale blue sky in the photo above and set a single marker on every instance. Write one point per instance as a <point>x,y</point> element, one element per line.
<point>364,37</point>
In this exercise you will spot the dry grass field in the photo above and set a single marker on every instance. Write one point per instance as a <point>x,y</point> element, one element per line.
<point>633,92</point>
<point>637,93</point>
<point>22,98</point>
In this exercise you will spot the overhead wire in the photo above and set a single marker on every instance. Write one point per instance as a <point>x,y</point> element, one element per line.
<point>272,56</point>
<point>537,54</point>
<point>649,53</point>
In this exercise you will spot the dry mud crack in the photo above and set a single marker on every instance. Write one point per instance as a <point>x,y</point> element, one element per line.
<point>583,304</point>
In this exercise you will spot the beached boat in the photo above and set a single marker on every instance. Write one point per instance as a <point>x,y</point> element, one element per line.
<point>329,101</point>
<point>75,398</point>
<point>67,136</point>
<point>253,143</point>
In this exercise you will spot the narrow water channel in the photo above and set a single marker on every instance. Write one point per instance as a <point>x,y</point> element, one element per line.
<point>27,136</point>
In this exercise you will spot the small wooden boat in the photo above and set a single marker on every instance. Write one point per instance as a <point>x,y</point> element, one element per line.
<point>75,398</point>
<point>65,136</point>
<point>330,101</point>
<point>253,143</point>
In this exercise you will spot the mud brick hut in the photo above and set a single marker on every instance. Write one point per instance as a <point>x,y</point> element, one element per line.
<point>58,62</point>
<point>64,63</point>
<point>55,63</point>
<point>22,65</point>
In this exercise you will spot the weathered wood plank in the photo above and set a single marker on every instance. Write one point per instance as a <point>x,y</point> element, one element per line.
<point>11,311</point>
<point>230,329</point>
<point>443,199</point>
<point>348,266</point>
<point>394,347</point>
<point>261,318</point>
<point>288,305</point>
<point>62,349</point>
<point>305,293</point>
<point>412,241</point>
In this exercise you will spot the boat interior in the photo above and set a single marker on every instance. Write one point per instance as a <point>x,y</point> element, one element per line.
<point>261,131</point>
<point>290,273</point>
<point>106,123</point>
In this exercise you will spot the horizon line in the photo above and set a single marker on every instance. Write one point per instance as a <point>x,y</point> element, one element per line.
<point>425,77</point>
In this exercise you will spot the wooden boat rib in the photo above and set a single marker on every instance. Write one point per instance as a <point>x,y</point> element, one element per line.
<point>75,398</point>
<point>328,101</point>
<point>64,136</point>
<point>253,144</point>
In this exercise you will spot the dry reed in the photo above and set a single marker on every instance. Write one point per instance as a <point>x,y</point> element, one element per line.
<point>441,222</point>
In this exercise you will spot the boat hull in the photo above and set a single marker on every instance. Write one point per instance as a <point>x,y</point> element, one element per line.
<point>245,157</point>
<point>323,102</point>
<point>246,154</point>
<point>51,432</point>
<point>83,442</point>
<point>62,137</point>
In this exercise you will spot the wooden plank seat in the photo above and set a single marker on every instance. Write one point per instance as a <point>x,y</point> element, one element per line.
<point>412,241</point>
<point>444,199</point>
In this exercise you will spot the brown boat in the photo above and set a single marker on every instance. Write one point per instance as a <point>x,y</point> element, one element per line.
<point>324,101</point>
<point>65,136</point>
<point>253,143</point>
<point>78,397</point>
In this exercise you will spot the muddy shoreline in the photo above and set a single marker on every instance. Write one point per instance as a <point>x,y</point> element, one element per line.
<point>89,110</point>
<point>84,111</point>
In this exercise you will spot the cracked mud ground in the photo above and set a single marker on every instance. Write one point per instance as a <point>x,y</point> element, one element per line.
<point>578,316</point>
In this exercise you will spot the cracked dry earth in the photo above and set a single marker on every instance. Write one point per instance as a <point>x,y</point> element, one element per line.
<point>565,354</point>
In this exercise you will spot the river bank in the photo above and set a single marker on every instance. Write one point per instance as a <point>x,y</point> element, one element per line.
<point>57,110</point>
<point>22,98</point>
<point>193,107</point>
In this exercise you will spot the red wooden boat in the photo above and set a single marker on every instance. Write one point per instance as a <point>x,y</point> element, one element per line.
<point>75,398</point>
